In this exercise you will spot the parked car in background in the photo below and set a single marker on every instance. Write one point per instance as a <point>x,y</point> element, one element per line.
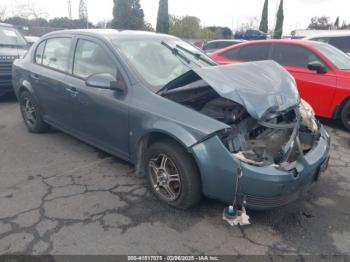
<point>191,126</point>
<point>251,35</point>
<point>199,43</point>
<point>340,40</point>
<point>215,45</point>
<point>12,46</point>
<point>31,39</point>
<point>322,72</point>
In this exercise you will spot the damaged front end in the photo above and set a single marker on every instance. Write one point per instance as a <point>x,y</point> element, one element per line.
<point>269,124</point>
<point>278,141</point>
<point>272,135</point>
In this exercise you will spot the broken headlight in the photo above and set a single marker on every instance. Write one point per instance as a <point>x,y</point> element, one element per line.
<point>308,116</point>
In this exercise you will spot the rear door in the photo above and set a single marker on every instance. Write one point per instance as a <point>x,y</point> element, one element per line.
<point>317,89</point>
<point>100,115</point>
<point>48,76</point>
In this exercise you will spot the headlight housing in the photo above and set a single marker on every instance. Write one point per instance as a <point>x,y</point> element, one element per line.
<point>307,114</point>
<point>308,108</point>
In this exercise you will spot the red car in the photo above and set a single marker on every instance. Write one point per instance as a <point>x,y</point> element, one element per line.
<point>322,72</point>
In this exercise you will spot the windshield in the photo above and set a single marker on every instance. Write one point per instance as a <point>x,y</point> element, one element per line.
<point>337,57</point>
<point>10,36</point>
<point>161,61</point>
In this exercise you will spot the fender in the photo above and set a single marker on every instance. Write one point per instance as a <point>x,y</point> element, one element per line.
<point>26,85</point>
<point>184,136</point>
<point>166,128</point>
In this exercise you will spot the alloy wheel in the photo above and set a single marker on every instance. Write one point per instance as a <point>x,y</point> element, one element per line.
<point>29,111</point>
<point>165,177</point>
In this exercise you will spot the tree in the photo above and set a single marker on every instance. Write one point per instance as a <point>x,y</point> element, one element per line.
<point>39,22</point>
<point>279,22</point>
<point>264,18</point>
<point>17,21</point>
<point>148,27</point>
<point>163,17</point>
<point>320,23</point>
<point>128,14</point>
<point>344,25</point>
<point>218,32</point>
<point>206,34</point>
<point>185,27</point>
<point>226,33</point>
<point>66,23</point>
<point>336,23</point>
<point>83,13</point>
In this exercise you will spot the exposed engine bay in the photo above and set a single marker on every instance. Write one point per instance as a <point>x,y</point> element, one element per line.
<point>279,139</point>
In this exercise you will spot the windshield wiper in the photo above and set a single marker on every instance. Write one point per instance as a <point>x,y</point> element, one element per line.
<point>176,52</point>
<point>196,55</point>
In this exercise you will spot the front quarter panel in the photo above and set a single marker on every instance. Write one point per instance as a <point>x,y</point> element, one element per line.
<point>152,113</point>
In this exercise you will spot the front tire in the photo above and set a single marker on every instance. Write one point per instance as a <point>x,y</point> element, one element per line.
<point>31,113</point>
<point>173,175</point>
<point>345,115</point>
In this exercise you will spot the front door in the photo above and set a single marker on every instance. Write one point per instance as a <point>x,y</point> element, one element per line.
<point>101,115</point>
<point>317,89</point>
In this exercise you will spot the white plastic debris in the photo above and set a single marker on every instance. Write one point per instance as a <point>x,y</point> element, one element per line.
<point>240,219</point>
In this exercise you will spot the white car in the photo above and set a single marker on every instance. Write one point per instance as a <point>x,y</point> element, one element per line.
<point>340,40</point>
<point>31,39</point>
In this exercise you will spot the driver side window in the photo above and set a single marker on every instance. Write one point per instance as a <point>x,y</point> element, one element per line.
<point>90,58</point>
<point>294,55</point>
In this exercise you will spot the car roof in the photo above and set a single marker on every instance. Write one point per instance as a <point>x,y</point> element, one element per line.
<point>109,33</point>
<point>225,40</point>
<point>330,34</point>
<point>306,43</point>
<point>6,25</point>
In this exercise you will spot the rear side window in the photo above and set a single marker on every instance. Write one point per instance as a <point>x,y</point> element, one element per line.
<point>231,54</point>
<point>342,43</point>
<point>210,46</point>
<point>90,58</point>
<point>56,54</point>
<point>254,52</point>
<point>39,53</point>
<point>224,44</point>
<point>293,55</point>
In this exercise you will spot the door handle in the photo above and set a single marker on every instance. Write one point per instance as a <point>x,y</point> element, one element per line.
<point>72,90</point>
<point>34,76</point>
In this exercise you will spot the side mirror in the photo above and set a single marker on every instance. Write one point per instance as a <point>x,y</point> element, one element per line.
<point>105,81</point>
<point>317,66</point>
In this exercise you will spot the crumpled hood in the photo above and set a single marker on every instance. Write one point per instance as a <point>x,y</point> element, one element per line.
<point>261,87</point>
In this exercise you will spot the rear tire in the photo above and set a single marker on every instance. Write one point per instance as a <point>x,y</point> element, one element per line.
<point>173,175</point>
<point>345,115</point>
<point>31,113</point>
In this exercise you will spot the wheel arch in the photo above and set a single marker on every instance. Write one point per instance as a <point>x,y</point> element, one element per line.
<point>25,86</point>
<point>152,137</point>
<point>339,108</point>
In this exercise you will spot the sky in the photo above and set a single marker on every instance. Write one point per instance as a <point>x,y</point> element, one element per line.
<point>229,13</point>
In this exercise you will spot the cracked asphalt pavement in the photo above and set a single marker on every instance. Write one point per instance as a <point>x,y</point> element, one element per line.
<point>61,196</point>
